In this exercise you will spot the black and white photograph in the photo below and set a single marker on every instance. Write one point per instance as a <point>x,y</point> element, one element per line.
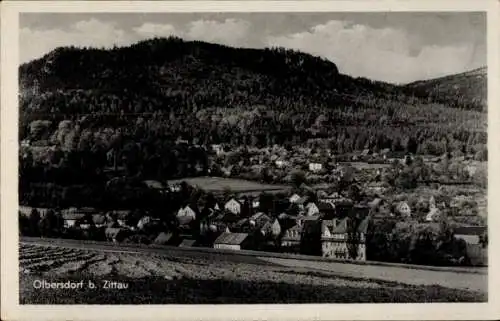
<point>280,157</point>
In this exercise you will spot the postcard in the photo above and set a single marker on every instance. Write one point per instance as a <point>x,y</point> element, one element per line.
<point>271,160</point>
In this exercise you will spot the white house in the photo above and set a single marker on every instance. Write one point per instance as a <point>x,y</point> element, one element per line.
<point>233,206</point>
<point>143,222</point>
<point>231,241</point>
<point>280,163</point>
<point>312,209</point>
<point>175,188</point>
<point>403,209</point>
<point>315,167</point>
<point>433,215</point>
<point>186,212</point>
<point>218,149</point>
<point>294,198</point>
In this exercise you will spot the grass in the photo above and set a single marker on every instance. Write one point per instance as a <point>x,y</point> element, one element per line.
<point>218,184</point>
<point>204,280</point>
<point>155,290</point>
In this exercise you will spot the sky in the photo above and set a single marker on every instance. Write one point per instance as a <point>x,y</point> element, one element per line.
<point>397,47</point>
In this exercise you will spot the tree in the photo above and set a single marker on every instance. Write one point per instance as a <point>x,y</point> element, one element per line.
<point>353,237</point>
<point>48,225</point>
<point>266,203</point>
<point>34,220</point>
<point>298,178</point>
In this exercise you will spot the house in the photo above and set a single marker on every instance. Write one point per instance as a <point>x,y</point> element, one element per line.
<point>25,210</point>
<point>271,228</point>
<point>145,220</point>
<point>233,206</point>
<point>115,234</point>
<point>241,226</point>
<point>229,217</point>
<point>70,219</point>
<point>315,167</point>
<point>335,239</point>
<point>291,238</point>
<point>232,241</point>
<point>255,204</point>
<point>218,149</point>
<point>294,198</point>
<point>403,209</point>
<point>301,219</point>
<point>175,188</point>
<point>434,215</point>
<point>343,209</point>
<point>186,211</point>
<point>312,209</point>
<point>258,220</point>
<point>326,208</point>
<point>280,163</point>
<point>470,234</point>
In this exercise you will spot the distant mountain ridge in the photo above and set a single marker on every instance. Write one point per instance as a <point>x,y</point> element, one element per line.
<point>467,88</point>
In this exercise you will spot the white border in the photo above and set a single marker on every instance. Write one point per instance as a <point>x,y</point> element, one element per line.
<point>9,150</point>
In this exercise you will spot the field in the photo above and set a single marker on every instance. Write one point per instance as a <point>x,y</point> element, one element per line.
<point>160,279</point>
<point>218,184</point>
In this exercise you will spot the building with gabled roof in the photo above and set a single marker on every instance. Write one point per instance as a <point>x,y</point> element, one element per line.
<point>403,209</point>
<point>294,198</point>
<point>233,206</point>
<point>312,209</point>
<point>291,239</point>
<point>232,241</point>
<point>335,239</point>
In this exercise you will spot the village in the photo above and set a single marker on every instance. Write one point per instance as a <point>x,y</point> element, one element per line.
<point>320,219</point>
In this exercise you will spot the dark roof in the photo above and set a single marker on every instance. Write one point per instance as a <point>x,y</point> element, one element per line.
<point>231,238</point>
<point>470,230</point>
<point>241,222</point>
<point>324,206</point>
<point>312,226</point>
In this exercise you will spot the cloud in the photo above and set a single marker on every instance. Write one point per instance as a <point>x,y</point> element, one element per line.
<point>151,30</point>
<point>228,32</point>
<point>383,54</point>
<point>86,33</point>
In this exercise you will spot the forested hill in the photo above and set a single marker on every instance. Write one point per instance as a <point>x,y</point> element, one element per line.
<point>171,74</point>
<point>464,89</point>
<point>165,89</point>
